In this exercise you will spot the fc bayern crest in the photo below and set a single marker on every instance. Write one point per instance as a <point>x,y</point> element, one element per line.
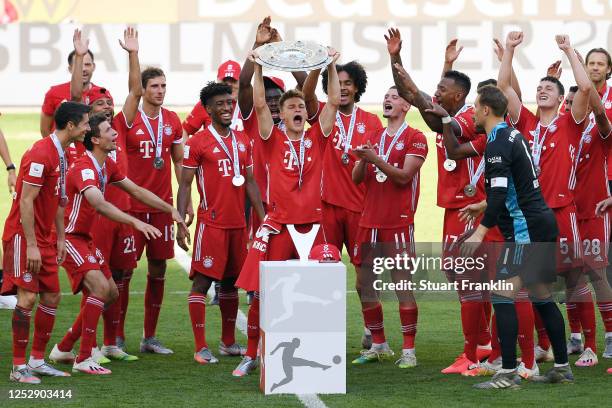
<point>608,105</point>
<point>552,128</point>
<point>361,128</point>
<point>208,262</point>
<point>27,277</point>
<point>307,143</point>
<point>399,146</point>
<point>167,130</point>
<point>91,259</point>
<point>587,139</point>
<point>241,147</point>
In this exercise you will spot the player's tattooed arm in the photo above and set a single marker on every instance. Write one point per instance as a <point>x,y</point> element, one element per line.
<point>29,193</point>
<point>454,149</point>
<point>504,79</point>
<point>327,119</point>
<point>498,48</point>
<point>310,96</point>
<point>450,55</point>
<point>81,45</point>
<point>264,117</point>
<point>183,199</point>
<point>264,35</point>
<point>580,105</point>
<point>130,44</point>
<point>405,88</point>
<point>254,194</point>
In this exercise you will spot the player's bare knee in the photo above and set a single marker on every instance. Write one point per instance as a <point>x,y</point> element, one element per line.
<point>200,284</point>
<point>50,299</point>
<point>26,299</point>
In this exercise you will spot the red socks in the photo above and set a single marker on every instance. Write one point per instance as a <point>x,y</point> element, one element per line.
<point>471,316</point>
<point>573,317</point>
<point>124,300</point>
<point>373,318</point>
<point>484,336</point>
<point>111,322</point>
<point>90,316</point>
<point>408,318</point>
<point>586,309</point>
<point>73,334</point>
<point>253,327</point>
<point>197,313</point>
<point>605,308</point>
<point>43,326</point>
<point>21,333</point>
<point>154,296</point>
<point>524,313</point>
<point>228,303</point>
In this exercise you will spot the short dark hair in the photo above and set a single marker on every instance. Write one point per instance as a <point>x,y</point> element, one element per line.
<point>460,79</point>
<point>213,89</point>
<point>573,89</point>
<point>94,129</point>
<point>292,93</point>
<point>150,73</point>
<point>555,81</point>
<point>356,72</point>
<point>602,51</point>
<point>72,54</point>
<point>494,98</point>
<point>70,112</point>
<point>486,82</point>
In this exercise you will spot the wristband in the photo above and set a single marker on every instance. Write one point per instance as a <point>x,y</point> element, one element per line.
<point>446,120</point>
<point>10,167</point>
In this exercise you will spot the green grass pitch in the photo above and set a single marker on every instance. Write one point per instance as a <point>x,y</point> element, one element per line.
<point>176,381</point>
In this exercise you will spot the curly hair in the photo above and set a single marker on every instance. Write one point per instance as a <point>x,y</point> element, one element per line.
<point>213,89</point>
<point>357,74</point>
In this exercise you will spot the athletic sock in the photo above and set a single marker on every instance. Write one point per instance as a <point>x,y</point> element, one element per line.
<point>91,315</point>
<point>253,327</point>
<point>154,296</point>
<point>555,327</point>
<point>605,309</point>
<point>484,331</point>
<point>573,317</point>
<point>21,333</point>
<point>197,313</point>
<point>124,300</point>
<point>472,315</point>
<point>408,319</point>
<point>111,322</point>
<point>43,326</point>
<point>507,327</point>
<point>524,312</point>
<point>73,333</point>
<point>228,304</point>
<point>586,310</point>
<point>543,340</point>
<point>373,318</point>
<point>495,347</point>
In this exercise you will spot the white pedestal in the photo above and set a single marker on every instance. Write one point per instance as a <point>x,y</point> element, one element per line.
<point>303,321</point>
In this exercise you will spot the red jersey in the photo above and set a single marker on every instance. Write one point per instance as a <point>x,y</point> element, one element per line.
<point>198,119</point>
<point>590,180</point>
<point>221,203</point>
<point>260,162</point>
<point>40,167</point>
<point>289,202</point>
<point>451,184</point>
<point>606,99</point>
<point>338,186</point>
<point>388,205</point>
<point>140,149</point>
<point>58,94</point>
<point>80,215</point>
<point>113,194</point>
<point>560,141</point>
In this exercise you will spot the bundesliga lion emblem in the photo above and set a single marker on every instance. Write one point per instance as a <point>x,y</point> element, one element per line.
<point>307,143</point>
<point>361,127</point>
<point>208,262</point>
<point>167,130</point>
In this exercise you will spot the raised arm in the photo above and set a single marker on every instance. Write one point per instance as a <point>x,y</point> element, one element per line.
<point>454,149</point>
<point>498,48</point>
<point>264,117</point>
<point>81,45</point>
<point>450,55</point>
<point>253,194</point>
<point>327,119</point>
<point>504,80</point>
<point>580,105</point>
<point>130,44</point>
<point>309,91</point>
<point>601,119</point>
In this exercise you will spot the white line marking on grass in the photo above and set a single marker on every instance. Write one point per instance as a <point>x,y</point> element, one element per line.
<point>184,260</point>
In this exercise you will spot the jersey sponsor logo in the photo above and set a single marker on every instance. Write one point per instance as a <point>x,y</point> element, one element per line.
<point>419,145</point>
<point>608,105</point>
<point>87,174</point>
<point>139,132</point>
<point>186,152</point>
<point>289,160</point>
<point>146,148</point>
<point>361,127</point>
<point>225,165</point>
<point>494,159</point>
<point>536,184</point>
<point>167,130</point>
<point>36,169</point>
<point>208,262</point>
<point>499,182</point>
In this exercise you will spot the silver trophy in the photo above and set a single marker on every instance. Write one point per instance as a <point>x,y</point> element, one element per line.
<point>293,56</point>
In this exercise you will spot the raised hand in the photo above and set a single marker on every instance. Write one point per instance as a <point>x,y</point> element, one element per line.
<point>407,82</point>
<point>332,52</point>
<point>513,39</point>
<point>81,45</point>
<point>554,70</point>
<point>252,56</point>
<point>498,48</point>
<point>275,36</point>
<point>394,41</point>
<point>437,110</point>
<point>563,41</point>
<point>264,32</point>
<point>130,40</point>
<point>452,52</point>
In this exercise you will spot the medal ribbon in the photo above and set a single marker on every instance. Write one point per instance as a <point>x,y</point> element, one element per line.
<point>538,144</point>
<point>160,131</point>
<point>381,145</point>
<point>235,160</point>
<point>100,170</point>
<point>346,138</point>
<point>300,159</point>
<point>62,160</point>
